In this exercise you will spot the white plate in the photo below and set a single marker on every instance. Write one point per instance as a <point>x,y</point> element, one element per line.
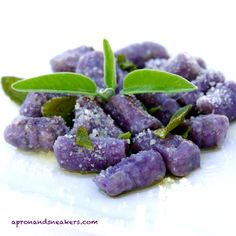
<point>34,187</point>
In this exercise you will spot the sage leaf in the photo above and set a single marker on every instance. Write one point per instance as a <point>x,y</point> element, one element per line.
<point>154,109</point>
<point>155,81</point>
<point>125,64</point>
<point>126,135</point>
<point>17,97</point>
<point>82,138</point>
<point>109,66</point>
<point>177,119</point>
<point>60,106</point>
<point>69,83</point>
<point>186,132</point>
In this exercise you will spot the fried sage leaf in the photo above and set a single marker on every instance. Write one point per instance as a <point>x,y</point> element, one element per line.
<point>60,106</point>
<point>186,132</point>
<point>14,95</point>
<point>154,109</point>
<point>177,119</point>
<point>126,135</point>
<point>125,64</point>
<point>82,138</point>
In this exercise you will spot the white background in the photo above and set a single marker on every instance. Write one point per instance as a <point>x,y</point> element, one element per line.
<point>31,32</point>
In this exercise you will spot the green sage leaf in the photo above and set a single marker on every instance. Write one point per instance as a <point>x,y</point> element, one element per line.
<point>109,66</point>
<point>177,119</point>
<point>70,83</point>
<point>125,64</point>
<point>82,138</point>
<point>14,95</point>
<point>126,135</point>
<point>155,81</point>
<point>154,109</point>
<point>186,132</point>
<point>60,106</point>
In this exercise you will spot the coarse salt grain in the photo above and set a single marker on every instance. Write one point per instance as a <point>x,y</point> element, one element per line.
<point>152,141</point>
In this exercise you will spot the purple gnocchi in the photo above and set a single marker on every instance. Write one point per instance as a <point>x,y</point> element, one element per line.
<point>204,81</point>
<point>208,131</point>
<point>156,64</point>
<point>181,156</point>
<point>91,65</point>
<point>168,106</point>
<point>188,98</point>
<point>219,100</point>
<point>89,115</point>
<point>138,170</point>
<point>184,65</point>
<point>106,152</point>
<point>129,114</point>
<point>35,132</point>
<point>159,63</point>
<point>34,101</point>
<point>201,62</point>
<point>67,61</point>
<point>139,53</point>
<point>208,79</point>
<point>120,75</point>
